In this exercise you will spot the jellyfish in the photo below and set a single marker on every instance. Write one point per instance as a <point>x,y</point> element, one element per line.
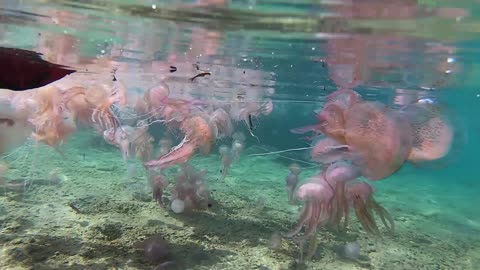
<point>432,132</point>
<point>221,123</point>
<point>338,175</point>
<point>327,150</point>
<point>378,138</point>
<point>292,180</point>
<point>198,135</point>
<point>317,195</point>
<point>360,195</point>
<point>227,159</point>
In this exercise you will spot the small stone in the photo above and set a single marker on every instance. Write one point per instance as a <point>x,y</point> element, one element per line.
<point>111,231</point>
<point>18,254</point>
<point>87,253</point>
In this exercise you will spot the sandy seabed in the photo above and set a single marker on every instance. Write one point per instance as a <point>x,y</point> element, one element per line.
<point>94,216</point>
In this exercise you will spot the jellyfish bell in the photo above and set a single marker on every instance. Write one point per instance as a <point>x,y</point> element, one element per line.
<point>223,150</point>
<point>341,171</point>
<point>332,121</point>
<point>327,150</point>
<point>432,131</point>
<point>295,168</point>
<point>344,97</point>
<point>378,137</point>
<point>439,133</point>
<point>427,101</point>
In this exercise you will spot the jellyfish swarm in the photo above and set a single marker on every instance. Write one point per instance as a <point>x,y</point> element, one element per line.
<point>369,139</point>
<point>190,191</point>
<point>133,141</point>
<point>324,197</point>
<point>52,113</point>
<point>376,138</point>
<point>40,113</point>
<point>328,198</point>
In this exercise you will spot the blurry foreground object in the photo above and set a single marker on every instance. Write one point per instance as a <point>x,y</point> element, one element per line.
<point>22,70</point>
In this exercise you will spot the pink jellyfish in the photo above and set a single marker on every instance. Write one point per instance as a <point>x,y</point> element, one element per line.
<point>292,180</point>
<point>378,137</point>
<point>198,135</point>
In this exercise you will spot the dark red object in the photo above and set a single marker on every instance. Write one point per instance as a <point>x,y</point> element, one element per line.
<point>22,70</point>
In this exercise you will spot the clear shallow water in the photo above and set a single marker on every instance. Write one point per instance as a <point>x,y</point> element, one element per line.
<point>296,54</point>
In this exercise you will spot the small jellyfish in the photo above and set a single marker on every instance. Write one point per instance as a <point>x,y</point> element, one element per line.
<point>238,145</point>
<point>165,146</point>
<point>275,241</point>
<point>156,249</point>
<point>351,251</point>
<point>159,183</point>
<point>227,159</point>
<point>178,206</point>
<point>292,180</point>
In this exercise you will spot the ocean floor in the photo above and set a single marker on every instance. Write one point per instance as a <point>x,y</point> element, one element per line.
<point>86,211</point>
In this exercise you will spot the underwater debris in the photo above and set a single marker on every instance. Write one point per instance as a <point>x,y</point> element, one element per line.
<point>203,74</point>
<point>251,126</point>
<point>6,121</point>
<point>75,208</point>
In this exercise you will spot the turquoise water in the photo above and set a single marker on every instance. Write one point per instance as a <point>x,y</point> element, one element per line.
<point>86,202</point>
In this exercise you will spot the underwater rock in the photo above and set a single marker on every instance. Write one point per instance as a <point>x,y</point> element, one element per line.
<point>111,231</point>
<point>87,252</point>
<point>18,254</point>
